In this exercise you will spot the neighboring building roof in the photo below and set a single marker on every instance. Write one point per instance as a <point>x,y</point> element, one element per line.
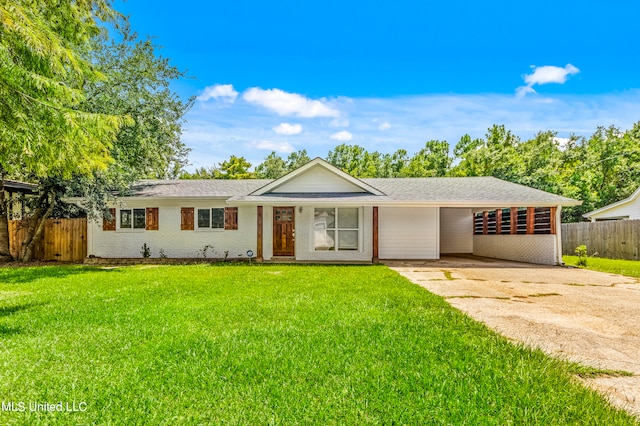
<point>603,210</point>
<point>17,186</point>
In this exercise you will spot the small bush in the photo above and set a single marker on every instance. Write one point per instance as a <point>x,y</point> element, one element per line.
<point>581,252</point>
<point>146,251</point>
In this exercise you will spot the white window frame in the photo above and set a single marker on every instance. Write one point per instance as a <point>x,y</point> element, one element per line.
<point>131,211</point>
<point>209,227</point>
<point>337,229</point>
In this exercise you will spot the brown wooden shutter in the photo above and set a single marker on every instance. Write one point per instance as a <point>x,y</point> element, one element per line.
<point>152,219</point>
<point>231,218</point>
<point>109,225</point>
<point>186,221</point>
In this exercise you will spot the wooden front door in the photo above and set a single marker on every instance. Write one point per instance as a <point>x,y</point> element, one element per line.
<point>283,231</point>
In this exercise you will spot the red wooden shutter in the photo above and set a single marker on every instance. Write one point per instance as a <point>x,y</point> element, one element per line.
<point>230,218</point>
<point>109,225</point>
<point>186,221</point>
<point>152,219</point>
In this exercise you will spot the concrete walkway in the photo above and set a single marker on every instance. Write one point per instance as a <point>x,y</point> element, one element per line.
<point>585,316</point>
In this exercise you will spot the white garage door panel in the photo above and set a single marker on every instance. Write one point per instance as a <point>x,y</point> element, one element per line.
<point>456,230</point>
<point>408,232</point>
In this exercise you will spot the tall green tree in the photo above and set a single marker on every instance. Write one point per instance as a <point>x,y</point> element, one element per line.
<point>354,160</point>
<point>297,159</point>
<point>272,167</point>
<point>431,161</point>
<point>393,165</point>
<point>233,168</point>
<point>495,155</point>
<point>43,128</point>
<point>136,84</point>
<point>275,166</point>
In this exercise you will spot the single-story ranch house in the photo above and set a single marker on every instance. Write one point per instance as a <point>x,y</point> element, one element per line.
<point>629,208</point>
<point>319,213</point>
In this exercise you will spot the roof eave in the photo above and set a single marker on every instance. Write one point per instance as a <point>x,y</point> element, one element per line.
<point>611,206</point>
<point>409,203</point>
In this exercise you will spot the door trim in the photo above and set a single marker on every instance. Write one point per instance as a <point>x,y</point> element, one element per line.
<point>290,233</point>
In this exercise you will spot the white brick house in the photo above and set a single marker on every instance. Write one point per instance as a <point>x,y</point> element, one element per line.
<point>319,213</point>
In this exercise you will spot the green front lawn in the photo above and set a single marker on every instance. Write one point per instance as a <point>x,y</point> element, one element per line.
<point>630,268</point>
<point>266,344</point>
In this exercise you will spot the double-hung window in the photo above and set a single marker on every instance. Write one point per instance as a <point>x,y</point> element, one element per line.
<point>336,228</point>
<point>211,218</point>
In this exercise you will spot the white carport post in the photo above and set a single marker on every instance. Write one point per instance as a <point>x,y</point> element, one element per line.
<point>559,235</point>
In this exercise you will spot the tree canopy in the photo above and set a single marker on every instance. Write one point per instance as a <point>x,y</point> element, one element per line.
<point>81,114</point>
<point>43,129</point>
<point>597,170</point>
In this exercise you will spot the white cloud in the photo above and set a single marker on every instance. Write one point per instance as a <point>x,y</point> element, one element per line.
<point>545,75</point>
<point>523,90</point>
<point>288,104</point>
<point>284,147</point>
<point>339,122</point>
<point>288,129</point>
<point>384,126</point>
<point>342,136</point>
<point>550,74</point>
<point>224,91</point>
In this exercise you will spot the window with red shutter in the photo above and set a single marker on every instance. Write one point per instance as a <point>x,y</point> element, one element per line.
<point>186,221</point>
<point>152,219</point>
<point>231,218</point>
<point>109,225</point>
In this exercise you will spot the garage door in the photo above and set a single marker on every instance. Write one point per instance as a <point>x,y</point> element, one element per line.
<point>408,232</point>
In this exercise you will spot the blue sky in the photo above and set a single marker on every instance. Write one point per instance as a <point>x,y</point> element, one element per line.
<point>291,75</point>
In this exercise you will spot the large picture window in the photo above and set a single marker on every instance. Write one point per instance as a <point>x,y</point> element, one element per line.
<point>336,228</point>
<point>211,218</point>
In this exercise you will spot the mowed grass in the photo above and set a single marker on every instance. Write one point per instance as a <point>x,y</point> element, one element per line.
<point>630,268</point>
<point>266,344</point>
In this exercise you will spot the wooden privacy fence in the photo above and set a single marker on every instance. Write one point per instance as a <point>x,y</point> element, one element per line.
<point>62,239</point>
<point>614,239</point>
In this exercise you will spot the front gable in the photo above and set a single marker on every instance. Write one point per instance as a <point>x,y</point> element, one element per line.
<point>317,176</point>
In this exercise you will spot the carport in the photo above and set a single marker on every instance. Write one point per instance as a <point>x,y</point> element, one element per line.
<point>525,234</point>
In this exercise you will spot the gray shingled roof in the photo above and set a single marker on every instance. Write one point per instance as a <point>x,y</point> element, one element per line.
<point>208,188</point>
<point>470,191</point>
<point>464,189</point>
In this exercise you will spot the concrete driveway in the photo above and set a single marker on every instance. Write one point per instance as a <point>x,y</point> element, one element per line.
<point>585,316</point>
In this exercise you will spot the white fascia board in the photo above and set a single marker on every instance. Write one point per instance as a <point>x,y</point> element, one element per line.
<point>611,206</point>
<point>497,205</point>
